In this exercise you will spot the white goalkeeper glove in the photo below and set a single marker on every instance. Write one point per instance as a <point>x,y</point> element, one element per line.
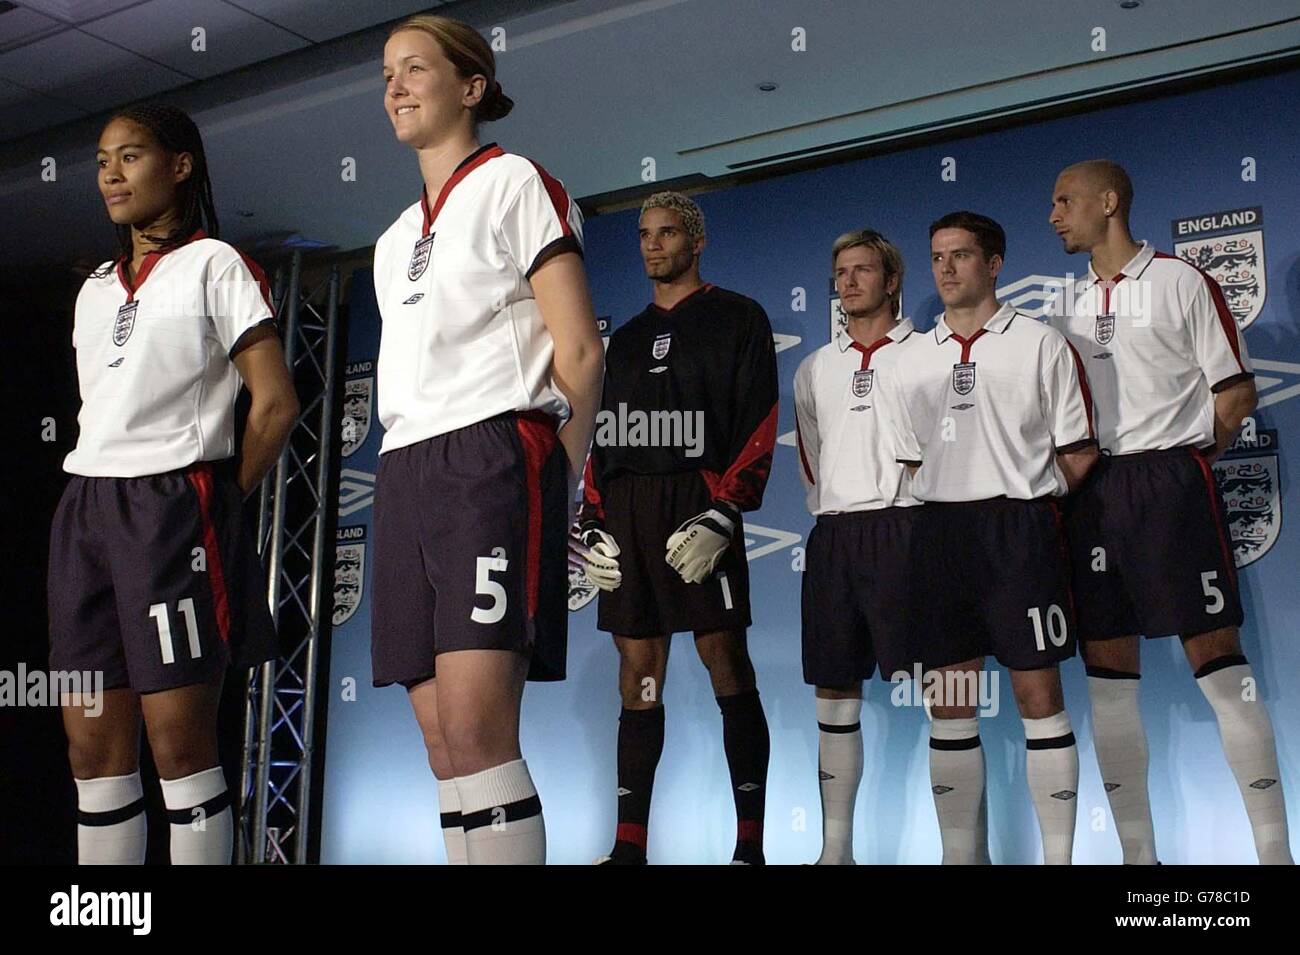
<point>597,555</point>
<point>695,548</point>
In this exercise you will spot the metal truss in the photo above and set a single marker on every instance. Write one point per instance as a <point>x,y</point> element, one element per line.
<point>293,524</point>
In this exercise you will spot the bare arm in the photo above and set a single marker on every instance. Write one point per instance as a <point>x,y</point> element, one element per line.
<point>560,287</point>
<point>274,408</point>
<point>1231,406</point>
<point>1075,465</point>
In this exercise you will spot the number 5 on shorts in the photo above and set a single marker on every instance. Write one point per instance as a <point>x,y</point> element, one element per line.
<point>1211,591</point>
<point>487,587</point>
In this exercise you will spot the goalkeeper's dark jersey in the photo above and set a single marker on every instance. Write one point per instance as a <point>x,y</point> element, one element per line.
<point>712,353</point>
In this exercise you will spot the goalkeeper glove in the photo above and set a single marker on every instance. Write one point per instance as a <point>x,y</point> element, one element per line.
<point>597,555</point>
<point>695,548</point>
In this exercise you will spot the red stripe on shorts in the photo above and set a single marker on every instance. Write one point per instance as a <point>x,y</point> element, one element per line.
<point>537,434</point>
<point>200,478</point>
<point>1210,489</point>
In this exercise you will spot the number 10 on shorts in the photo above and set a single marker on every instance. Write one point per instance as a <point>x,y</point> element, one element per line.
<point>1056,629</point>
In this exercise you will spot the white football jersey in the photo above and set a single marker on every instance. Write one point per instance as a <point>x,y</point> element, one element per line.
<point>985,416</point>
<point>463,338</point>
<point>158,385</point>
<point>1157,340</point>
<point>844,460</point>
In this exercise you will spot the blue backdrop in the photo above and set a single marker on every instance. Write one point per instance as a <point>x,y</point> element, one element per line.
<point>1190,156</point>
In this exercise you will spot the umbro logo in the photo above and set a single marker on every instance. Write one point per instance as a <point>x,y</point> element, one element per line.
<point>1263,783</point>
<point>860,407</point>
<point>414,298</point>
<point>114,364</point>
<point>940,790</point>
<point>624,792</point>
<point>1065,795</point>
<point>1104,355</point>
<point>748,787</point>
<point>964,406</point>
<point>1111,787</point>
<point>823,775</point>
<point>658,368</point>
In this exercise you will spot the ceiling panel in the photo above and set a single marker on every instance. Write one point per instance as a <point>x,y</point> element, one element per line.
<point>161,30</point>
<point>20,25</point>
<point>323,21</point>
<point>78,11</point>
<point>601,84</point>
<point>85,72</point>
<point>23,112</point>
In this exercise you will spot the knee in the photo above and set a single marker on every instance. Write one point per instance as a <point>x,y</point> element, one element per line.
<point>642,691</point>
<point>470,745</point>
<point>729,669</point>
<point>93,760</point>
<point>1120,654</point>
<point>1039,701</point>
<point>952,712</point>
<point>641,679</point>
<point>435,745</point>
<point>1204,648</point>
<point>182,754</point>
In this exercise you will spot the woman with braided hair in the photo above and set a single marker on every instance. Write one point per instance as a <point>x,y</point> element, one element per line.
<point>489,380</point>
<point>154,581</point>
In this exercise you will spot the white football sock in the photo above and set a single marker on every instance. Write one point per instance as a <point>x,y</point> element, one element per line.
<point>839,769</point>
<point>502,816</point>
<point>1247,736</point>
<point>1052,770</point>
<point>110,820</point>
<point>957,782</point>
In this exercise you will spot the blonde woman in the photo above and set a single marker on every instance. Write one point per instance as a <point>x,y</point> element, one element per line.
<point>489,381</point>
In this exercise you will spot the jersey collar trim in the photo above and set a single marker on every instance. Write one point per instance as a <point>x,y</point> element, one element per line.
<point>150,260</point>
<point>699,291</point>
<point>467,165</point>
<point>844,341</point>
<point>901,330</point>
<point>1135,266</point>
<point>997,322</point>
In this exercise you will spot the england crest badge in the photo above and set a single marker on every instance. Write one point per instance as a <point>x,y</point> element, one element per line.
<point>963,377</point>
<point>420,257</point>
<point>862,382</point>
<point>1229,247</point>
<point>358,399</point>
<point>660,347</point>
<point>1247,476</point>
<point>349,572</point>
<point>581,590</point>
<point>124,323</point>
<point>1104,330</point>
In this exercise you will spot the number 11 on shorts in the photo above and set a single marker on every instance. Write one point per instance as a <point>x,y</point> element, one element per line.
<point>159,614</point>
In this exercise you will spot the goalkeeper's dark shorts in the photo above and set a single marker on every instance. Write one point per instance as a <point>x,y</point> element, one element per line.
<point>641,511</point>
<point>469,549</point>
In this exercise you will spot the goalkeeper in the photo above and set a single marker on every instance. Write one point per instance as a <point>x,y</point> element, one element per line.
<point>683,446</point>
